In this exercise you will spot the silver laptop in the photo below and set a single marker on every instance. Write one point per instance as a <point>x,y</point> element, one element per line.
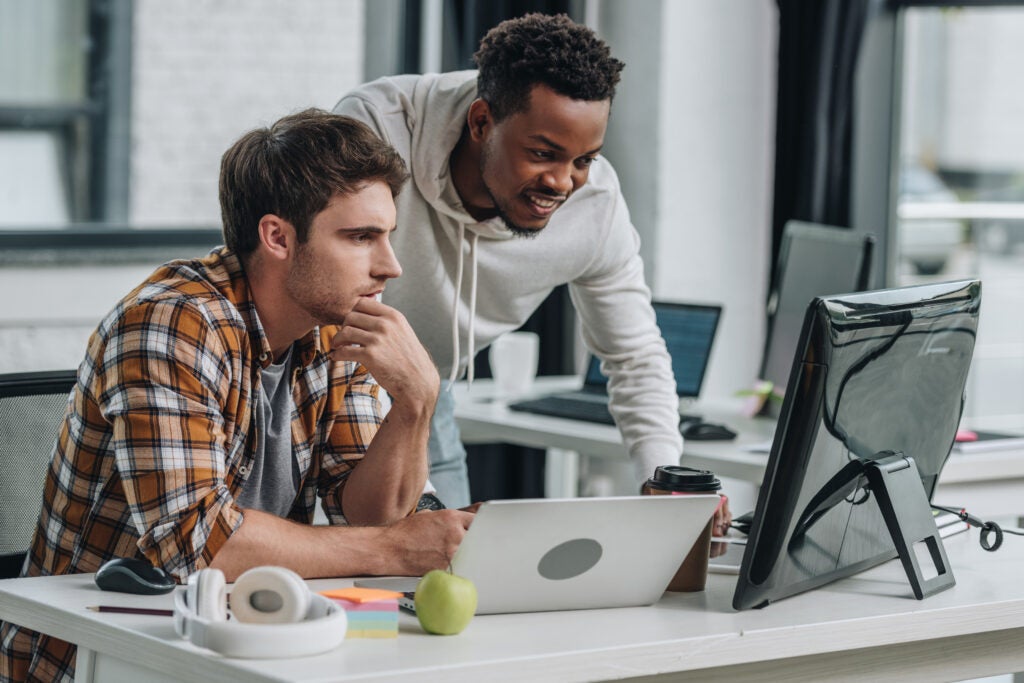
<point>539,555</point>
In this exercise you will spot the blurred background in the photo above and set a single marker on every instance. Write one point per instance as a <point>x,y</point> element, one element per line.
<point>899,119</point>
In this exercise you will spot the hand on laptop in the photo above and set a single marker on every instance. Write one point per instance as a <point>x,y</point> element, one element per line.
<point>424,541</point>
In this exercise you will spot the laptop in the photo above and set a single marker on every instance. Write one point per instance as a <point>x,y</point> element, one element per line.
<point>688,330</point>
<point>538,555</point>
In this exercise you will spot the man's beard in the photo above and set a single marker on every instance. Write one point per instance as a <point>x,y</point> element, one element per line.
<point>514,228</point>
<point>305,286</point>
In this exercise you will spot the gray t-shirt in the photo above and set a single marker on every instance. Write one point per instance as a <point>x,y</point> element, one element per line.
<point>273,482</point>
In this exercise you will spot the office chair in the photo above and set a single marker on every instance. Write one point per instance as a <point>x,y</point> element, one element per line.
<point>32,405</point>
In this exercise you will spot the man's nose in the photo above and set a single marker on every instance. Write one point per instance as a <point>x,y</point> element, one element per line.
<point>387,265</point>
<point>560,179</point>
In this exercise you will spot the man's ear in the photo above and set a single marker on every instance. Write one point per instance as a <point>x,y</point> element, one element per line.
<point>479,119</point>
<point>277,237</point>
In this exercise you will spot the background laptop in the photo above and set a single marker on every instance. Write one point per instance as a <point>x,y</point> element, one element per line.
<point>688,330</point>
<point>538,555</point>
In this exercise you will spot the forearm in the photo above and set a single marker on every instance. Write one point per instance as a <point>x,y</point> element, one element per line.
<point>620,326</point>
<point>410,547</point>
<point>388,481</point>
<point>312,551</point>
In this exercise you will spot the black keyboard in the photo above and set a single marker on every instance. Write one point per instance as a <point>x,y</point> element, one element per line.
<point>561,406</point>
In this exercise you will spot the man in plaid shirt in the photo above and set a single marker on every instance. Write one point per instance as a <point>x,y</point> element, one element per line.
<point>223,396</point>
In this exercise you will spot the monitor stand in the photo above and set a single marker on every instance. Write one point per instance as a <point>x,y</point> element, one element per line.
<point>895,481</point>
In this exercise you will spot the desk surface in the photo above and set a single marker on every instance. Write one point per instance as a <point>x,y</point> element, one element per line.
<point>482,419</point>
<point>867,626</point>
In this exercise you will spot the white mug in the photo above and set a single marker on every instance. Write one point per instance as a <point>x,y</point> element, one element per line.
<point>513,358</point>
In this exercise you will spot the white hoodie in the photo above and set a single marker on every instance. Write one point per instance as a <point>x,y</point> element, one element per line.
<point>589,243</point>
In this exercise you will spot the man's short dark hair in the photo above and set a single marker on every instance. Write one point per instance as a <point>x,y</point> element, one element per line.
<point>293,168</point>
<point>552,50</point>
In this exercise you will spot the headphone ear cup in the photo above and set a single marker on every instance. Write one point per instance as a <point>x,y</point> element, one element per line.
<point>207,595</point>
<point>270,595</point>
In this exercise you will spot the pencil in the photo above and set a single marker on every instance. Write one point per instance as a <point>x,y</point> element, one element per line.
<point>132,610</point>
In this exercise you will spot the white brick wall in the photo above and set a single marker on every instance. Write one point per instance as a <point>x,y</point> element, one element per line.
<point>50,311</point>
<point>205,72</point>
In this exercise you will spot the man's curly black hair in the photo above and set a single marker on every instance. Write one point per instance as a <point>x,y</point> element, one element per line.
<point>552,50</point>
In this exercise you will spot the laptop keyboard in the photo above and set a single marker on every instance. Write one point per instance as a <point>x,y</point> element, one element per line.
<point>561,406</point>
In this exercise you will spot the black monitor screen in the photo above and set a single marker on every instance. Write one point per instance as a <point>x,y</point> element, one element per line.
<point>689,331</point>
<point>814,260</point>
<point>875,373</point>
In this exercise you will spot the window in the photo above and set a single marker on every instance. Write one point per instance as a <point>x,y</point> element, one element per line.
<point>114,114</point>
<point>960,179</point>
<point>45,112</point>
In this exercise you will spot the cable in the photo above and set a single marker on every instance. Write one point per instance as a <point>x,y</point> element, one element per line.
<point>988,529</point>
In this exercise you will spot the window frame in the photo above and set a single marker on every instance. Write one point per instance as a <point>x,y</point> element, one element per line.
<point>96,162</point>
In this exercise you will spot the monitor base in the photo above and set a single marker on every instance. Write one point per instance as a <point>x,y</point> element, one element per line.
<point>897,487</point>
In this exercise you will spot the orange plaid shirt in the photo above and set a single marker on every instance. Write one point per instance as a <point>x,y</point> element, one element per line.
<point>158,437</point>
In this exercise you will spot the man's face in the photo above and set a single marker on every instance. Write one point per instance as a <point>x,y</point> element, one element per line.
<point>532,161</point>
<point>347,255</point>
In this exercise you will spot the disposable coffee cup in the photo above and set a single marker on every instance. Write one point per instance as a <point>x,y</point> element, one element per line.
<point>675,480</point>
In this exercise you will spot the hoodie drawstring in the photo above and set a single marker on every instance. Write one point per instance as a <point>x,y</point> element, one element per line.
<point>472,309</point>
<point>454,375</point>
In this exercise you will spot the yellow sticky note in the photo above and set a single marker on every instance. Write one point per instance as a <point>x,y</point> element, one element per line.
<point>372,633</point>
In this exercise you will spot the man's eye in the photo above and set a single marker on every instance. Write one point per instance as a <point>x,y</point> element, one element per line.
<point>586,161</point>
<point>542,154</point>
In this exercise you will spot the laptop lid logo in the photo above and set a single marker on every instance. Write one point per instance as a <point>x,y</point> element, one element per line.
<point>570,559</point>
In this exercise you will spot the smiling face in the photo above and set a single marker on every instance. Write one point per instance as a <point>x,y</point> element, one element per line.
<point>347,255</point>
<point>532,161</point>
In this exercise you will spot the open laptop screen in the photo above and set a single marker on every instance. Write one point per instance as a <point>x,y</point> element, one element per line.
<point>688,330</point>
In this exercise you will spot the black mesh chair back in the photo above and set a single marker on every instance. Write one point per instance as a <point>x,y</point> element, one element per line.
<point>32,406</point>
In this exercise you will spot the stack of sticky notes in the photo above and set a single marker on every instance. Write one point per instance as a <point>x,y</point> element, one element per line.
<point>372,613</point>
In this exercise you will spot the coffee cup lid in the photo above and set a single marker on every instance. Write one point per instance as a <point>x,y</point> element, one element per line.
<point>688,479</point>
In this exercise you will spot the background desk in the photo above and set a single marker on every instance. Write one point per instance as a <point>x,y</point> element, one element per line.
<point>989,483</point>
<point>867,627</point>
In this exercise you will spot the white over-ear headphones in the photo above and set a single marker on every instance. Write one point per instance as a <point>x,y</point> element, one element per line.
<point>275,615</point>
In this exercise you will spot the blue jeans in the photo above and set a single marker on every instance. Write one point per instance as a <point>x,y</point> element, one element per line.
<point>448,471</point>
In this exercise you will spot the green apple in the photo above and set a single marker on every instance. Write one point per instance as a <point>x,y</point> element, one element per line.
<point>445,603</point>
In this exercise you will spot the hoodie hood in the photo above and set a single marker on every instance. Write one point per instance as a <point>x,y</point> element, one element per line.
<point>444,101</point>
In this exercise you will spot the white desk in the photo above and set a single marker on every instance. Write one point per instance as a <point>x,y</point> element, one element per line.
<point>866,627</point>
<point>990,483</point>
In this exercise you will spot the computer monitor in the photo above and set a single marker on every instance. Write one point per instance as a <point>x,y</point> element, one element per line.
<point>871,409</point>
<point>689,332</point>
<point>814,260</point>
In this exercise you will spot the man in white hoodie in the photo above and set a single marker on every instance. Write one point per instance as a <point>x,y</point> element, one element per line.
<point>509,199</point>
